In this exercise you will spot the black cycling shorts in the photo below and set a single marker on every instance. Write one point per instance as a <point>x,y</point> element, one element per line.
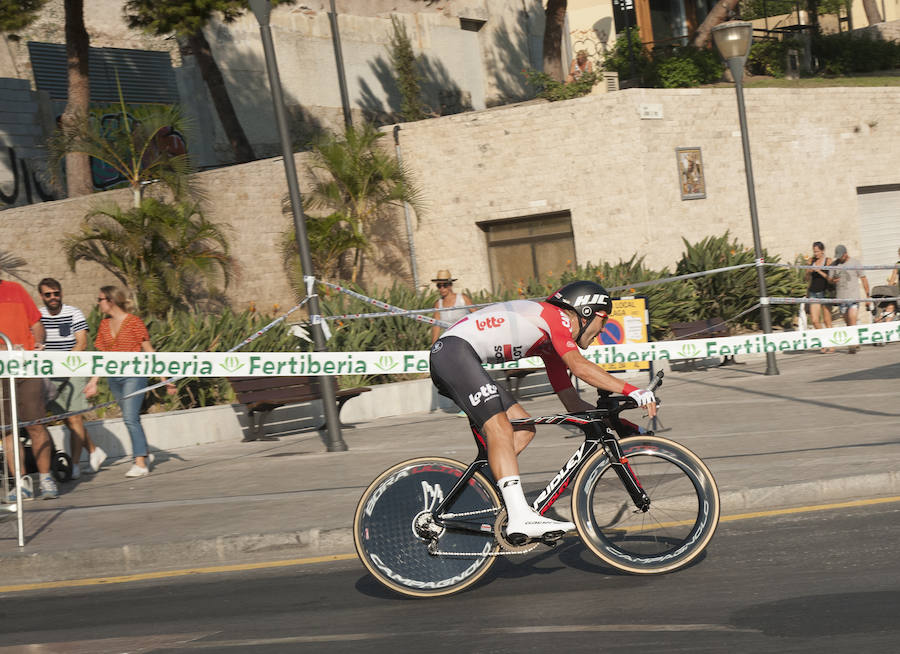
<point>457,373</point>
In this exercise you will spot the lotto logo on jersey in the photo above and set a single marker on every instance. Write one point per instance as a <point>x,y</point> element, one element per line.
<point>596,298</point>
<point>489,323</point>
<point>486,392</point>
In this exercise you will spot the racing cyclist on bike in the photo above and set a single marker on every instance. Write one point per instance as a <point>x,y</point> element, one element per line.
<point>554,329</point>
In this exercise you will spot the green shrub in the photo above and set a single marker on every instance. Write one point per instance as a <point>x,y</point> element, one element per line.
<point>183,331</point>
<point>619,57</point>
<point>549,88</point>
<point>768,58</point>
<point>684,67</point>
<point>842,54</point>
<point>729,293</point>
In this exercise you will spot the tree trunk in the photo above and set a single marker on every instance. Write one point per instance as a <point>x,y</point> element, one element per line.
<point>872,13</point>
<point>78,165</point>
<point>717,15</point>
<point>554,19</point>
<point>209,69</point>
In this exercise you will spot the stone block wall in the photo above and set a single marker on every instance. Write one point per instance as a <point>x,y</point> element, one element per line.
<point>594,157</point>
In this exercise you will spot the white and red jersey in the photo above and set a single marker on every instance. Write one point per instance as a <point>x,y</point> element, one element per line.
<point>509,331</point>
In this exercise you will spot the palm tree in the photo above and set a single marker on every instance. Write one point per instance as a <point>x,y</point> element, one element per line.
<point>359,181</point>
<point>168,254</point>
<point>10,264</point>
<point>329,238</point>
<point>134,144</point>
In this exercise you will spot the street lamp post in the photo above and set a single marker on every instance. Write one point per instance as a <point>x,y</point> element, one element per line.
<point>733,40</point>
<point>262,9</point>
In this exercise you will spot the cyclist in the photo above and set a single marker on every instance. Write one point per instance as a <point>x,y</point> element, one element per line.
<point>554,329</point>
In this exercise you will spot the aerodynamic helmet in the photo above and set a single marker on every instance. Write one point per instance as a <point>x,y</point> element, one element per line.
<point>587,299</point>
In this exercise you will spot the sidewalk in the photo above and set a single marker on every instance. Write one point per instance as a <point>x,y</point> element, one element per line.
<point>826,429</point>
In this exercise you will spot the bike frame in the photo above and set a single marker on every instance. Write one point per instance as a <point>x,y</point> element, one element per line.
<point>601,427</point>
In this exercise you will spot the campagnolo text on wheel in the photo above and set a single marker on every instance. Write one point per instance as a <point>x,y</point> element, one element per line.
<point>433,526</point>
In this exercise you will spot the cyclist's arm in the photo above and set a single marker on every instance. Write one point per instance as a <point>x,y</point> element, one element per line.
<point>591,373</point>
<point>572,401</point>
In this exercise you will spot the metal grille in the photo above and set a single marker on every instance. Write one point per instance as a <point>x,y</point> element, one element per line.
<point>145,75</point>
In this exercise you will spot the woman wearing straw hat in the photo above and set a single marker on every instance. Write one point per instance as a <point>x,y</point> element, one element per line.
<point>448,298</point>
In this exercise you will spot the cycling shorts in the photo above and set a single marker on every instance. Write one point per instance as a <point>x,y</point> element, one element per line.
<point>457,373</point>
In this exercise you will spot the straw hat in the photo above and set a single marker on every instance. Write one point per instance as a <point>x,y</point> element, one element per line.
<point>444,276</point>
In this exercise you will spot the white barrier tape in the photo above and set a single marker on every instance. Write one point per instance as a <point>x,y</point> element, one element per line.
<point>818,300</point>
<point>833,267</point>
<point>224,364</point>
<point>384,305</point>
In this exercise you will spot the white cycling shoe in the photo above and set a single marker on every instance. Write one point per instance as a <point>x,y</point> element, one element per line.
<point>534,525</point>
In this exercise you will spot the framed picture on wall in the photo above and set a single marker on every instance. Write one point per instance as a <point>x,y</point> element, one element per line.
<point>690,173</point>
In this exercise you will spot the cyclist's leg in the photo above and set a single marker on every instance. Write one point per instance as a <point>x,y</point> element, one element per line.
<point>458,374</point>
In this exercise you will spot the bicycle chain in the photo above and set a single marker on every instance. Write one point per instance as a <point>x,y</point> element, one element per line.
<point>501,552</point>
<point>475,554</point>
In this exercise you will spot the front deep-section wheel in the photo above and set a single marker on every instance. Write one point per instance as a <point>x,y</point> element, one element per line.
<point>677,526</point>
<point>401,545</point>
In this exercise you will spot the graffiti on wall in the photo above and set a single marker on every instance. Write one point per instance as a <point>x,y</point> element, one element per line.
<point>25,180</point>
<point>168,141</point>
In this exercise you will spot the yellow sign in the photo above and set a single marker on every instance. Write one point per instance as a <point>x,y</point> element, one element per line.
<point>627,324</point>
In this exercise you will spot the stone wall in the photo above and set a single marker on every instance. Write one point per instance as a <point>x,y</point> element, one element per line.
<point>616,173</point>
<point>594,157</point>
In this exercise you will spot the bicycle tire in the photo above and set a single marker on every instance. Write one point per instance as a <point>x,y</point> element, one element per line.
<point>397,557</point>
<point>682,518</point>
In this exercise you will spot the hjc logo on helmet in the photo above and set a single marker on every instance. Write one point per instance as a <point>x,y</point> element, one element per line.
<point>596,298</point>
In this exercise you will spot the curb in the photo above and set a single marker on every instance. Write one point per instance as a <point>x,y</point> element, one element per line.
<point>240,549</point>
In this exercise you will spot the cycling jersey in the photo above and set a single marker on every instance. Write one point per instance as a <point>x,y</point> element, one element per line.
<point>509,331</point>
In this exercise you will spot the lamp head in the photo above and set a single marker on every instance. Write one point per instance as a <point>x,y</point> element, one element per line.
<point>733,38</point>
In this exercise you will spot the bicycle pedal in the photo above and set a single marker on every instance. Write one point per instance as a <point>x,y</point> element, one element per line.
<point>552,537</point>
<point>517,539</point>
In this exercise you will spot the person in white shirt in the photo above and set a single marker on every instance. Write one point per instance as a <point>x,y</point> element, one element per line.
<point>67,330</point>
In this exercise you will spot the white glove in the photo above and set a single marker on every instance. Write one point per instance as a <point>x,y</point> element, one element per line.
<point>642,397</point>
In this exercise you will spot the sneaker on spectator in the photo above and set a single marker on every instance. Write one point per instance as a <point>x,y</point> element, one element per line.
<point>137,471</point>
<point>27,490</point>
<point>151,459</point>
<point>49,491</point>
<point>98,456</point>
<point>76,471</point>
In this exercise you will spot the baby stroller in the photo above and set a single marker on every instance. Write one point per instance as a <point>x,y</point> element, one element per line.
<point>60,462</point>
<point>885,311</point>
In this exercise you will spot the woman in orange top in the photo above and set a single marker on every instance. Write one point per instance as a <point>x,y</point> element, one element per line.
<point>121,331</point>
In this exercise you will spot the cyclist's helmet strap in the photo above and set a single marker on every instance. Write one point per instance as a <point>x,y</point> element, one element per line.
<point>587,299</point>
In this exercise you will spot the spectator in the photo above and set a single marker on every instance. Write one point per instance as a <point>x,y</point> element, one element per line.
<point>895,273</point>
<point>818,285</point>
<point>847,287</point>
<point>67,330</point>
<point>448,298</point>
<point>20,320</point>
<point>121,331</point>
<point>579,66</point>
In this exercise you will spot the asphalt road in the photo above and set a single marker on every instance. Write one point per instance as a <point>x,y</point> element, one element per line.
<point>815,581</point>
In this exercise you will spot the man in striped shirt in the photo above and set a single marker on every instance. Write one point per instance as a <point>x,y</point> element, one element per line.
<point>67,330</point>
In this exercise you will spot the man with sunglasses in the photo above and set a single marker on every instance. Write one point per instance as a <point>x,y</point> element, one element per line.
<point>67,330</point>
<point>555,329</point>
<point>20,320</point>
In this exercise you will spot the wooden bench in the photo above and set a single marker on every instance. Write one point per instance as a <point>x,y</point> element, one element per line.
<point>262,395</point>
<point>709,328</point>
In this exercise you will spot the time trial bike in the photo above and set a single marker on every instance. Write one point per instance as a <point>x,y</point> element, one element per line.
<point>433,526</point>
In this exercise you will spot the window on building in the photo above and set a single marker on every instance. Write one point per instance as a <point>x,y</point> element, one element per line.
<point>520,249</point>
